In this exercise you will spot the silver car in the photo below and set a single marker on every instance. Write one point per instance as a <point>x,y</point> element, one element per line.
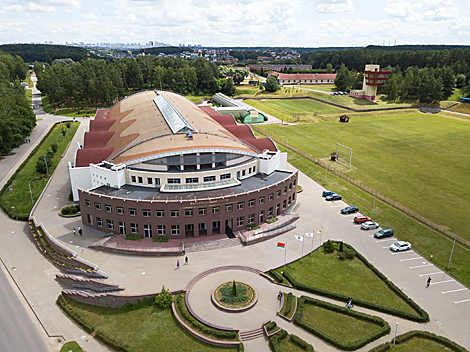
<point>369,225</point>
<point>400,246</point>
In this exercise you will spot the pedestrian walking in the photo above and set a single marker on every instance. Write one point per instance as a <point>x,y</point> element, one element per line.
<point>177,264</point>
<point>80,231</point>
<point>74,231</point>
<point>428,282</point>
<point>186,260</point>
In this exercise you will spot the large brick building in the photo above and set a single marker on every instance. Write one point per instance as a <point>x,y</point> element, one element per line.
<point>156,165</point>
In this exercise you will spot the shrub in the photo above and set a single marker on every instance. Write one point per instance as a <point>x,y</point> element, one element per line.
<point>164,298</point>
<point>160,239</point>
<point>276,276</point>
<point>133,238</point>
<point>341,246</point>
<point>271,220</point>
<point>347,253</point>
<point>329,247</point>
<point>241,348</point>
<point>252,227</point>
<point>289,304</point>
<point>301,343</point>
<point>271,326</point>
<point>276,338</point>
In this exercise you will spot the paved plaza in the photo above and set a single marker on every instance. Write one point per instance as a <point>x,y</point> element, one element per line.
<point>446,301</point>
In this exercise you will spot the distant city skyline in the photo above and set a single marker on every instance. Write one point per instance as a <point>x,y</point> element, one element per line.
<point>295,23</point>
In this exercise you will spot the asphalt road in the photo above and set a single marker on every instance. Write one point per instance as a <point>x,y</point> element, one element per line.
<point>18,332</point>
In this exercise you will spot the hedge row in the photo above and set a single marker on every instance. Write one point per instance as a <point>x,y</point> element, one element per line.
<point>276,276</point>
<point>276,338</point>
<point>422,316</point>
<point>345,346</point>
<point>143,303</point>
<point>208,331</point>
<point>271,326</point>
<point>241,348</point>
<point>289,304</point>
<point>301,343</point>
<point>70,209</point>
<point>387,346</point>
<point>160,239</point>
<point>9,182</point>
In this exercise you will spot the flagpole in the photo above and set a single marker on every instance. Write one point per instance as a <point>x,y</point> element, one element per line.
<point>285,256</point>
<point>302,257</point>
<point>321,235</point>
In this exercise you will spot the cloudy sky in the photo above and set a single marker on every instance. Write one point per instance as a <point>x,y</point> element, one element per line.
<point>305,23</point>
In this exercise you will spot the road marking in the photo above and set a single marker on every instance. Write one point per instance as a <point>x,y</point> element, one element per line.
<point>439,272</point>
<point>441,282</point>
<point>404,260</point>
<point>465,300</point>
<point>390,239</point>
<point>402,252</point>
<point>419,266</point>
<point>459,289</point>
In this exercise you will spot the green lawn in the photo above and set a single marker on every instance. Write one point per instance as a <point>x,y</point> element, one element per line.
<point>424,240</point>
<point>420,345</point>
<point>326,271</point>
<point>71,346</point>
<point>455,95</point>
<point>146,329</point>
<point>286,345</point>
<point>67,110</point>
<point>322,87</point>
<point>196,98</point>
<point>19,201</point>
<point>255,92</point>
<point>342,327</point>
<point>29,95</point>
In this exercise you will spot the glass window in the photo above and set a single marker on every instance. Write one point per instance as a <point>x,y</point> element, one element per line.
<point>133,179</point>
<point>132,212</point>
<point>251,218</point>
<point>284,204</point>
<point>289,201</point>
<point>216,224</point>
<point>251,203</point>
<point>290,186</point>
<point>295,182</point>
<point>188,212</point>
<point>108,208</point>
<point>189,227</point>
<point>174,180</point>
<point>278,207</point>
<point>240,205</point>
<point>149,180</point>
<point>120,210</point>
<point>261,216</point>
<point>175,229</point>
<point>243,172</point>
<point>254,168</point>
<point>209,178</point>
<point>174,213</point>
<point>261,200</point>
<point>160,214</point>
<point>249,170</point>
<point>147,230</point>
<point>224,176</point>
<point>270,212</point>
<point>284,191</point>
<point>228,207</point>
<point>110,224</point>
<point>278,193</point>
<point>192,180</point>
<point>240,221</point>
<point>134,228</point>
<point>99,222</point>
<point>141,180</point>
<point>202,211</point>
<point>87,203</point>
<point>270,196</point>
<point>202,226</point>
<point>161,230</point>
<point>146,213</point>
<point>215,210</point>
<point>98,206</point>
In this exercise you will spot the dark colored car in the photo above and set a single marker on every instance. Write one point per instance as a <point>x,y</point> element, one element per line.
<point>334,196</point>
<point>384,233</point>
<point>349,210</point>
<point>327,193</point>
<point>361,219</point>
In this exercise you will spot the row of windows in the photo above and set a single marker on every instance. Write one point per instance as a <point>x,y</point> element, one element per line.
<point>188,212</point>
<point>140,179</point>
<point>161,229</point>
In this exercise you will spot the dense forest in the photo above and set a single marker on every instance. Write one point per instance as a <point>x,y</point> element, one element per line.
<point>44,53</point>
<point>101,83</point>
<point>16,116</point>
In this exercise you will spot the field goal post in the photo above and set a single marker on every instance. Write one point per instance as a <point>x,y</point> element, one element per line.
<point>343,155</point>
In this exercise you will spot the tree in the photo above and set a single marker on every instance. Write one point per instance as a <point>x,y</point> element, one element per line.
<point>448,82</point>
<point>228,87</point>
<point>164,298</point>
<point>234,288</point>
<point>343,79</point>
<point>271,84</point>
<point>329,68</point>
<point>41,164</point>
<point>392,88</point>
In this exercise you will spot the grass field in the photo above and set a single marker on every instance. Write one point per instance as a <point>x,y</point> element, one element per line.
<point>66,110</point>
<point>29,95</point>
<point>144,330</point>
<point>255,92</point>
<point>345,328</point>
<point>424,240</point>
<point>322,87</point>
<point>286,345</point>
<point>19,201</point>
<point>340,276</point>
<point>420,345</point>
<point>421,160</point>
<point>71,346</point>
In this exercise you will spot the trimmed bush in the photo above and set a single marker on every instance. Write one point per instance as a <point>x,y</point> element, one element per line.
<point>276,276</point>
<point>164,298</point>
<point>301,343</point>
<point>271,326</point>
<point>421,317</point>
<point>271,220</point>
<point>345,346</point>
<point>133,238</point>
<point>160,239</point>
<point>276,338</point>
<point>252,227</point>
<point>329,247</point>
<point>70,209</point>
<point>289,305</point>
<point>347,253</point>
<point>241,348</point>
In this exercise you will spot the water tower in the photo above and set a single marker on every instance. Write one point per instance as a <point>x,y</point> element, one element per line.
<point>373,77</point>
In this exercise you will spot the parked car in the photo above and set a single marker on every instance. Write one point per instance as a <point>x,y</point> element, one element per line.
<point>349,210</point>
<point>400,246</point>
<point>334,196</point>
<point>360,219</point>
<point>327,193</point>
<point>369,225</point>
<point>384,233</point>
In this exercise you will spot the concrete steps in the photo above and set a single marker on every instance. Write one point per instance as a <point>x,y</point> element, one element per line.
<point>210,245</point>
<point>79,283</point>
<point>251,334</point>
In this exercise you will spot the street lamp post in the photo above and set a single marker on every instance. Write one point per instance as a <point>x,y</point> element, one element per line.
<point>30,192</point>
<point>373,209</point>
<point>452,252</point>
<point>394,339</point>
<point>45,162</point>
<point>326,171</point>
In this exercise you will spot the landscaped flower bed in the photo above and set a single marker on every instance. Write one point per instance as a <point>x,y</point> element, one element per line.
<point>240,298</point>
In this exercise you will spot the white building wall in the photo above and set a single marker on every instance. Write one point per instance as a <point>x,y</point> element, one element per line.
<point>269,162</point>
<point>79,178</point>
<point>101,176</point>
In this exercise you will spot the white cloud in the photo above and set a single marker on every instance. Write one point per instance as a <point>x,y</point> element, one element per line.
<point>65,3</point>
<point>36,7</point>
<point>14,8</point>
<point>335,6</point>
<point>398,8</point>
<point>91,16</point>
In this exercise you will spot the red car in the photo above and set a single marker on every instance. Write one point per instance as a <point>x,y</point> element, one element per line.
<point>361,219</point>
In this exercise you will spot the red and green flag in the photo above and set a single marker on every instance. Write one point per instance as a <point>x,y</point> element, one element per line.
<point>281,244</point>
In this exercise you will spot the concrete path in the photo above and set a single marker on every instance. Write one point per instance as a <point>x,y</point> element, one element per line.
<point>313,90</point>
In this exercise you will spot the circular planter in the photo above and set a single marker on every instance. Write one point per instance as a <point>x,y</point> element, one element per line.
<point>70,215</point>
<point>251,298</point>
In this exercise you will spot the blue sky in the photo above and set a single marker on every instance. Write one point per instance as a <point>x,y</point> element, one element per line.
<point>304,23</point>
